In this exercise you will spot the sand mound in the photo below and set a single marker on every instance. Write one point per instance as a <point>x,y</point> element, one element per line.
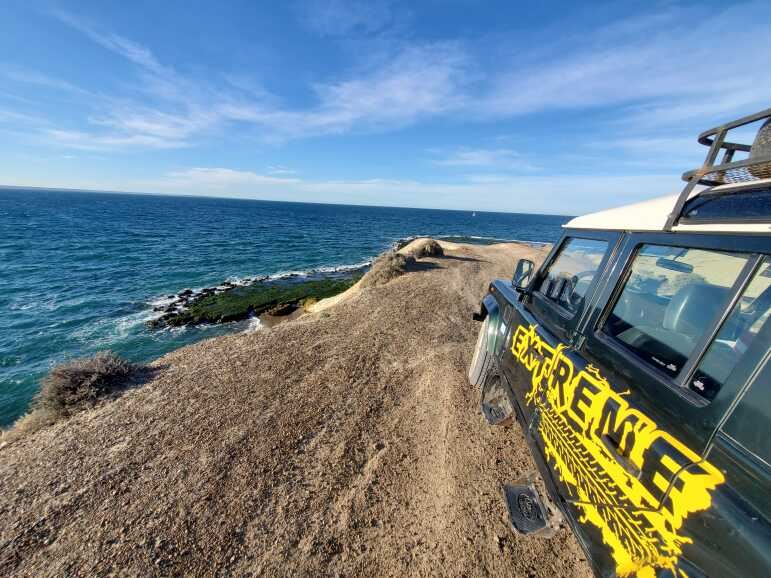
<point>425,248</point>
<point>387,267</point>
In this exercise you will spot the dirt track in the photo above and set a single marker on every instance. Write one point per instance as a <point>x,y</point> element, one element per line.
<point>347,442</point>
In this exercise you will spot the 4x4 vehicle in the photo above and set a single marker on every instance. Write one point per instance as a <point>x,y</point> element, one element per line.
<point>636,361</point>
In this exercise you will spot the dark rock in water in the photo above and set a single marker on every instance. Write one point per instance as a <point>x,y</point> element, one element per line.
<point>282,309</point>
<point>171,296</point>
<point>186,293</point>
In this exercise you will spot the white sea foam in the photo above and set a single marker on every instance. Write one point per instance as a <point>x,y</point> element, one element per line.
<point>48,303</point>
<point>124,325</point>
<point>253,324</point>
<point>343,268</point>
<point>248,280</point>
<point>405,240</point>
<point>163,301</point>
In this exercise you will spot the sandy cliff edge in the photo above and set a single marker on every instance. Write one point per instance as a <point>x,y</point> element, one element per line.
<point>348,443</point>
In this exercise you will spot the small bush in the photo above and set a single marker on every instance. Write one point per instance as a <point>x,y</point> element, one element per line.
<point>78,384</point>
<point>74,386</point>
<point>387,267</point>
<point>427,248</point>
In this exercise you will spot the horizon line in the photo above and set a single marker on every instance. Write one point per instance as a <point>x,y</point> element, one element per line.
<point>195,196</point>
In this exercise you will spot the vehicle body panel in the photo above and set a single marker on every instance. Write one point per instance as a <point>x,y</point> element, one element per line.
<point>647,480</point>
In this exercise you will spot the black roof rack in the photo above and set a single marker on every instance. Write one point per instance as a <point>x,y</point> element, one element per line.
<point>756,167</point>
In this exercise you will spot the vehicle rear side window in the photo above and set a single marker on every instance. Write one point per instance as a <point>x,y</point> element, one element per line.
<point>749,205</point>
<point>740,331</point>
<point>570,275</point>
<point>747,425</point>
<point>672,296</point>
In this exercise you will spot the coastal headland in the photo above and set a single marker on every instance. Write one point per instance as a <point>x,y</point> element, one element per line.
<point>346,442</point>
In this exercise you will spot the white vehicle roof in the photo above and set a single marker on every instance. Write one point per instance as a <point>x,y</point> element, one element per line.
<point>652,215</point>
<point>720,179</point>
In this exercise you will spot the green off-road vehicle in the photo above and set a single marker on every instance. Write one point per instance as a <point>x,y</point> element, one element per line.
<point>636,361</point>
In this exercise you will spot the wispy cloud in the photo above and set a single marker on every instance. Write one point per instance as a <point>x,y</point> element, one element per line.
<point>344,17</point>
<point>498,159</point>
<point>656,73</point>
<point>174,110</point>
<point>280,170</point>
<point>570,194</point>
<point>42,80</point>
<point>109,141</point>
<point>219,179</point>
<point>130,50</point>
<point>417,82</point>
<point>675,66</point>
<point>14,117</point>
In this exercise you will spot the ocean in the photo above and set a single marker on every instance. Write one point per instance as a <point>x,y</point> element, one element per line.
<point>81,272</point>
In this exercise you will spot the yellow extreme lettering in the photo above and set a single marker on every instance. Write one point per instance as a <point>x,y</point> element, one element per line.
<point>631,480</point>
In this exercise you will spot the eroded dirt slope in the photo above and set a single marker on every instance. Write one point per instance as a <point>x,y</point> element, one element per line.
<point>347,442</point>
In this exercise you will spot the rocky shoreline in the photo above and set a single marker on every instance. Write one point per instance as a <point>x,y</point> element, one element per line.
<point>231,301</point>
<point>271,296</point>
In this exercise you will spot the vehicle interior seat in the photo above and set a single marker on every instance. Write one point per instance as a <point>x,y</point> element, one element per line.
<point>686,318</point>
<point>738,334</point>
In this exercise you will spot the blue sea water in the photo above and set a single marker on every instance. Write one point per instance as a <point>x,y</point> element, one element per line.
<point>80,272</point>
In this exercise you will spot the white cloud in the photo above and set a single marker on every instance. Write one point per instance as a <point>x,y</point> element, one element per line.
<point>14,117</point>
<point>416,82</point>
<point>220,179</point>
<point>99,142</point>
<point>280,170</point>
<point>673,67</point>
<point>130,50</point>
<point>42,80</point>
<point>658,71</point>
<point>499,158</point>
<point>419,82</point>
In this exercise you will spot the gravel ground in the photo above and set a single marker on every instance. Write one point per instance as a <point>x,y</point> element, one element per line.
<point>346,443</point>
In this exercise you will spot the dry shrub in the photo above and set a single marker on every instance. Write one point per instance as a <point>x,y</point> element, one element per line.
<point>387,267</point>
<point>30,422</point>
<point>426,248</point>
<point>308,303</point>
<point>74,386</point>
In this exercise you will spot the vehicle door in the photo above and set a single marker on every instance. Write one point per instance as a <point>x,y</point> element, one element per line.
<point>657,371</point>
<point>737,540</point>
<point>545,319</point>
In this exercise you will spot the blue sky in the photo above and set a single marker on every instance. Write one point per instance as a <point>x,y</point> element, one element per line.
<point>554,107</point>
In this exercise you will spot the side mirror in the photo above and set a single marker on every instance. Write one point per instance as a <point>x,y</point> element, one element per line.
<point>522,274</point>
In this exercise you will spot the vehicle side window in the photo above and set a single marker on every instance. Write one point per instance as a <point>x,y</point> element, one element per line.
<point>570,275</point>
<point>738,333</point>
<point>671,298</point>
<point>747,423</point>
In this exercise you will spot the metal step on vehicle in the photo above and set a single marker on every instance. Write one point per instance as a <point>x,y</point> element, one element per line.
<point>635,359</point>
